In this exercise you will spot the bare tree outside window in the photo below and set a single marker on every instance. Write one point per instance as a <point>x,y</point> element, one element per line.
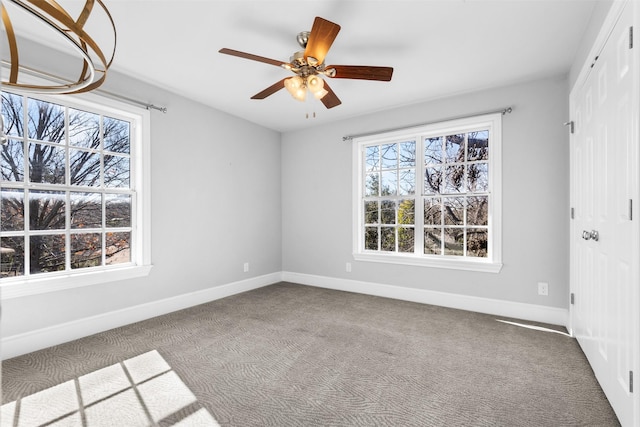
<point>66,184</point>
<point>454,199</point>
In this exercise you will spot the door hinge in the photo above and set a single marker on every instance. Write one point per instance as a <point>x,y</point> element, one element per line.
<point>630,381</point>
<point>573,298</point>
<point>630,209</point>
<point>570,123</point>
<point>573,213</point>
<point>630,37</point>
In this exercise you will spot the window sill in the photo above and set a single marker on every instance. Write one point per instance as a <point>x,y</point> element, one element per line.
<point>21,287</point>
<point>452,263</point>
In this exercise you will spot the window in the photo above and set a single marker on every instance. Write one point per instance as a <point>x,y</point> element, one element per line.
<point>430,195</point>
<point>72,198</point>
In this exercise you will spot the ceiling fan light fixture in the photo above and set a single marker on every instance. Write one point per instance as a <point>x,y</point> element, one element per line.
<point>315,83</point>
<point>296,87</point>
<point>316,86</point>
<point>300,94</point>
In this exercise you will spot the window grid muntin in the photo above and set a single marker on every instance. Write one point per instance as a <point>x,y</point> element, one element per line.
<point>419,200</point>
<point>26,185</point>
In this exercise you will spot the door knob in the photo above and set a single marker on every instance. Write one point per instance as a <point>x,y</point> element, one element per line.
<point>594,235</point>
<point>586,235</point>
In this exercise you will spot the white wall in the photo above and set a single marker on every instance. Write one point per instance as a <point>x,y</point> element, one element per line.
<point>215,204</point>
<point>316,197</point>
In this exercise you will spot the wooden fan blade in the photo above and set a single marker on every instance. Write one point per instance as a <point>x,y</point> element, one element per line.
<point>322,35</point>
<point>270,90</point>
<point>330,100</point>
<point>362,72</point>
<point>252,57</point>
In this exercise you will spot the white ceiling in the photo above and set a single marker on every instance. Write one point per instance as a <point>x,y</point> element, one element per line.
<point>437,49</point>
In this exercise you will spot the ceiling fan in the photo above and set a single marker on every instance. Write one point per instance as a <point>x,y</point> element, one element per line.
<point>308,66</point>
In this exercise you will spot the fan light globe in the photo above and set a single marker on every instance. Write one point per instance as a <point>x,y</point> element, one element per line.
<point>315,83</point>
<point>296,87</point>
<point>300,94</point>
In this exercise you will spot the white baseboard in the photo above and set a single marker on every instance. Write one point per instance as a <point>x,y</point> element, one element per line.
<point>530,312</point>
<point>17,345</point>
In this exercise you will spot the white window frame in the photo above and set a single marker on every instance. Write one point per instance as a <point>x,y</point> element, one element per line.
<point>140,149</point>
<point>491,264</point>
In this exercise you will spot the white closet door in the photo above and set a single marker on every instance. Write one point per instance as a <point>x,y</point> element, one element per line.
<point>604,234</point>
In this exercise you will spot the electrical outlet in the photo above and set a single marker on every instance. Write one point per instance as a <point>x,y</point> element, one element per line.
<point>543,288</point>
<point>348,267</point>
<point>246,267</point>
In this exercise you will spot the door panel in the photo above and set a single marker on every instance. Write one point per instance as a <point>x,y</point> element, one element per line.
<point>604,171</point>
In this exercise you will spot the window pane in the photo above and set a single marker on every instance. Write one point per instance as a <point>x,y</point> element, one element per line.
<point>371,212</point>
<point>116,135</point>
<point>371,238</point>
<point>388,212</point>
<point>477,239</point>
<point>372,158</point>
<point>406,239</point>
<point>433,180</point>
<point>12,114</point>
<point>478,145</point>
<point>47,253</point>
<point>406,211</point>
<point>12,161</point>
<point>454,241</point>
<point>407,182</point>
<point>432,211</point>
<point>86,250</point>
<point>389,183</point>
<point>118,248</point>
<point>454,148</point>
<point>86,210</point>
<point>454,179</point>
<point>432,241</point>
<point>478,210</point>
<point>118,210</point>
<point>433,150</point>
<point>85,168</point>
<point>46,163</point>
<point>12,256</point>
<point>46,121</point>
<point>388,239</point>
<point>408,154</point>
<point>84,129</point>
<point>372,185</point>
<point>46,210</point>
<point>453,210</point>
<point>478,177</point>
<point>12,210</point>
<point>116,172</point>
<point>389,155</point>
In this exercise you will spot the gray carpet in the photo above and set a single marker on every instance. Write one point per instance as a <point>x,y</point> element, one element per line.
<point>292,355</point>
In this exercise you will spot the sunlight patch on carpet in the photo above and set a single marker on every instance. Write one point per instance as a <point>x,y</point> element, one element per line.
<point>534,327</point>
<point>139,391</point>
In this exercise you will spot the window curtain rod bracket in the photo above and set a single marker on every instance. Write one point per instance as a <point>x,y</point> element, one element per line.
<point>503,111</point>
